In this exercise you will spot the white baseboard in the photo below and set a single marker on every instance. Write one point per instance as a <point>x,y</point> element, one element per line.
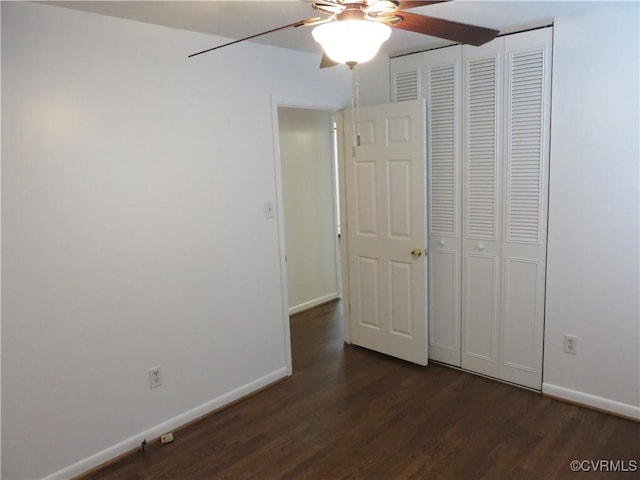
<point>134,442</point>
<point>312,303</point>
<point>593,401</point>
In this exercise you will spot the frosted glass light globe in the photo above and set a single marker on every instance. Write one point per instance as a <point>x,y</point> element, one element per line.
<point>351,41</point>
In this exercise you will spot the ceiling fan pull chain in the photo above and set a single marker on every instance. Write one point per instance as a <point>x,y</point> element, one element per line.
<point>355,107</point>
<point>357,82</point>
<point>353,116</point>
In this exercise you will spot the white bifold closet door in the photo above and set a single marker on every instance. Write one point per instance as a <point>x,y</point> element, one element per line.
<point>442,85</point>
<point>488,142</point>
<point>487,166</point>
<point>481,246</point>
<point>505,176</point>
<point>524,207</point>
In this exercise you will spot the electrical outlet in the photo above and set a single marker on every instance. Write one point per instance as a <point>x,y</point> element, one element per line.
<point>155,376</point>
<point>166,438</point>
<point>571,344</point>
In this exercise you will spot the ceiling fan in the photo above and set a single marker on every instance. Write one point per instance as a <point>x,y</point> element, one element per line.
<point>352,31</point>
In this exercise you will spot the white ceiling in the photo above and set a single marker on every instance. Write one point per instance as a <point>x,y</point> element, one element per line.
<point>241,18</point>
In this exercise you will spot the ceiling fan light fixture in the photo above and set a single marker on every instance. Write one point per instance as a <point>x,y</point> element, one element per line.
<point>351,41</point>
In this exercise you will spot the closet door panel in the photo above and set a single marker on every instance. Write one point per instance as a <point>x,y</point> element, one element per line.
<point>520,310</point>
<point>444,306</point>
<point>482,140</point>
<point>442,80</point>
<point>482,304</point>
<point>526,154</point>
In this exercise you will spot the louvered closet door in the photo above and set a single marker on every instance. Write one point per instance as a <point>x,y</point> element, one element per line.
<point>482,139</point>
<point>442,81</point>
<point>526,154</point>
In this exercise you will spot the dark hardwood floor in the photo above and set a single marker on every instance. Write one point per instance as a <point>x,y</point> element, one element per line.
<point>349,413</point>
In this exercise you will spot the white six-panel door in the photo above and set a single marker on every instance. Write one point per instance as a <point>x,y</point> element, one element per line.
<point>385,184</point>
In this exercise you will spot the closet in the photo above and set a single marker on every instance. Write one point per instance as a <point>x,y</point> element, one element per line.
<point>488,165</point>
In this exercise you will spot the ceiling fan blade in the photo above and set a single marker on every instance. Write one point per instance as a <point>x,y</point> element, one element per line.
<point>447,29</point>
<point>300,23</point>
<point>326,62</point>
<point>312,22</point>
<point>404,4</point>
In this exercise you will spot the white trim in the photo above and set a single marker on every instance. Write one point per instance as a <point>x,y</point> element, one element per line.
<point>335,182</point>
<point>134,442</point>
<point>593,401</point>
<point>312,303</point>
<point>344,240</point>
<point>282,246</point>
<point>298,102</point>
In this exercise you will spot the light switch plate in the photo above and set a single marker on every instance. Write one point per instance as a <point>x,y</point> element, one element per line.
<point>269,209</point>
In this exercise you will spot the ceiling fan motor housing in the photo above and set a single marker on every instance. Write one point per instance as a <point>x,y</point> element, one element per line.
<point>353,11</point>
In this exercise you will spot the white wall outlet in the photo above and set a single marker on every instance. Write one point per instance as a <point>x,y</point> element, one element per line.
<point>166,438</point>
<point>155,376</point>
<point>571,344</point>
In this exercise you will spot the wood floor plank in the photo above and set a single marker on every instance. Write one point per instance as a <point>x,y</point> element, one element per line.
<point>349,413</point>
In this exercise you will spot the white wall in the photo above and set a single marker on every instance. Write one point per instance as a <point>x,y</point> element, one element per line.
<point>133,229</point>
<point>308,205</point>
<point>593,264</point>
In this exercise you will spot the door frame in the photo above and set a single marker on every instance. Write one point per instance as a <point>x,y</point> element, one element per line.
<point>303,103</point>
<point>344,225</point>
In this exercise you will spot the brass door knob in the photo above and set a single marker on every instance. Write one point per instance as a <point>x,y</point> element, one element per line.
<point>416,252</point>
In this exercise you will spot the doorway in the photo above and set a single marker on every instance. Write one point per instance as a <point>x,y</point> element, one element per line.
<point>307,157</point>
